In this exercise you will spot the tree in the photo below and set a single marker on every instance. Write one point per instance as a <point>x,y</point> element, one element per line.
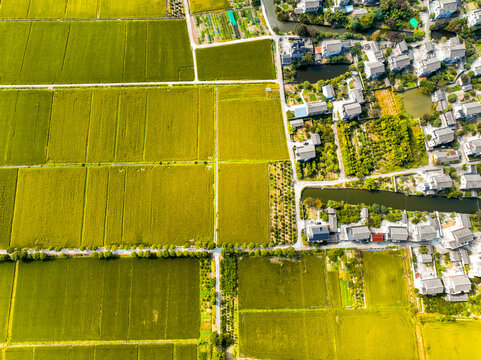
<point>310,202</point>
<point>366,21</point>
<point>308,58</point>
<point>370,185</point>
<point>391,23</point>
<point>301,30</point>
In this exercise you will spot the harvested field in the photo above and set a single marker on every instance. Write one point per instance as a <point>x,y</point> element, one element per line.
<point>81,9</point>
<point>111,205</point>
<point>287,335</point>
<point>245,61</point>
<point>127,299</point>
<point>384,278</point>
<point>243,203</point>
<point>275,283</point>
<point>384,335</point>
<point>389,102</point>
<point>45,52</point>
<point>452,340</point>
<point>197,6</point>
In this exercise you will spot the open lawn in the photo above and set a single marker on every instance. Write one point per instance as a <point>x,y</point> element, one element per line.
<point>384,278</point>
<point>274,283</point>
<point>44,52</point>
<point>384,335</point>
<point>243,203</point>
<point>452,340</point>
<point>251,128</point>
<point>81,9</point>
<point>245,61</point>
<point>287,335</point>
<point>111,205</point>
<point>104,352</point>
<point>126,299</point>
<point>197,6</point>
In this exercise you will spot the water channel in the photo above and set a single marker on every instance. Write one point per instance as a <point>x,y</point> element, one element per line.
<point>394,200</point>
<point>314,73</point>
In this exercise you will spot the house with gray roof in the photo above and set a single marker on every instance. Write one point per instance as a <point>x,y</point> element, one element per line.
<point>467,110</point>
<point>359,12</point>
<point>298,123</point>
<point>307,6</point>
<point>358,233</point>
<point>465,220</point>
<point>474,17</point>
<point>426,67</point>
<point>373,52</point>
<point>317,233</point>
<point>374,69</point>
<point>453,51</point>
<point>305,152</point>
<point>398,62</point>
<point>294,49</point>
<point>470,181</point>
<point>442,136</point>
<point>431,286</point>
<point>440,182</point>
<point>315,139</point>
<point>447,119</point>
<point>427,48</point>
<point>398,233</point>
<point>473,147</point>
<point>457,284</point>
<point>350,110</point>
<point>331,47</point>
<point>460,237</point>
<point>328,92</point>
<point>333,223</point>
<point>442,157</point>
<point>444,8</point>
<point>439,97</point>
<point>317,108</point>
<point>424,258</point>
<point>425,233</point>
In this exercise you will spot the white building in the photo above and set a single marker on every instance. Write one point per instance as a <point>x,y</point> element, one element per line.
<point>474,17</point>
<point>444,8</point>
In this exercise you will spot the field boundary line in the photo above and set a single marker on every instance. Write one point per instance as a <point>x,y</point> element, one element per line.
<point>25,50</point>
<point>13,213</point>
<point>145,125</point>
<point>106,208</point>
<point>12,302</point>
<point>216,176</point>
<point>65,49</point>
<point>87,141</point>
<point>100,342</point>
<point>282,310</point>
<point>82,230</point>
<point>88,19</point>
<point>130,297</point>
<point>119,100</point>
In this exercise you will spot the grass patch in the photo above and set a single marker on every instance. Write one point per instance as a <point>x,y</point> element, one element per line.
<point>243,199</point>
<point>81,9</point>
<point>334,290</point>
<point>273,283</point>
<point>94,52</point>
<point>452,340</point>
<point>384,278</point>
<point>127,299</point>
<point>197,6</point>
<point>245,61</point>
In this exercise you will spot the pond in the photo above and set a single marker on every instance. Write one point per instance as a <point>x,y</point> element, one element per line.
<point>394,200</point>
<point>314,73</point>
<point>438,35</point>
<point>416,103</point>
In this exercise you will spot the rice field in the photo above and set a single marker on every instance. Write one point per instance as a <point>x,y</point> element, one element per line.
<point>452,340</point>
<point>197,6</point>
<point>276,283</point>
<point>126,299</point>
<point>81,9</point>
<point>97,206</point>
<point>74,52</point>
<point>245,61</point>
<point>385,281</point>
<point>243,203</point>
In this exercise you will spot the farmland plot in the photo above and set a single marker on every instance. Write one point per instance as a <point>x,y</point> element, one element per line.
<point>243,203</point>
<point>44,52</point>
<point>384,279</point>
<point>208,5</point>
<point>93,300</point>
<point>245,61</point>
<point>81,9</point>
<point>272,283</point>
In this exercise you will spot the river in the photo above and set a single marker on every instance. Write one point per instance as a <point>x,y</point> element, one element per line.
<point>394,200</point>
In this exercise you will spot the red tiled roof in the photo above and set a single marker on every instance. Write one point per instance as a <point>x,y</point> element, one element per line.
<point>377,237</point>
<point>318,49</point>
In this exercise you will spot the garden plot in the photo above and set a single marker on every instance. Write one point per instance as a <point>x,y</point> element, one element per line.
<point>228,25</point>
<point>46,52</point>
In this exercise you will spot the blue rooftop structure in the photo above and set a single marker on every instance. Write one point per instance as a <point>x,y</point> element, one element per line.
<point>231,18</point>
<point>300,111</point>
